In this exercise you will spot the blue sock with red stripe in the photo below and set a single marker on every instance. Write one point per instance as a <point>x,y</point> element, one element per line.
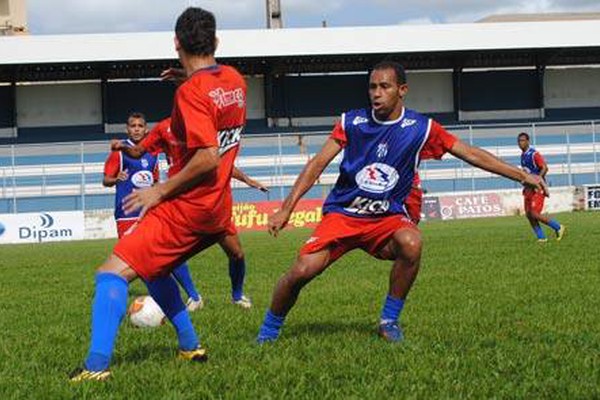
<point>166,293</point>
<point>108,309</point>
<point>184,278</point>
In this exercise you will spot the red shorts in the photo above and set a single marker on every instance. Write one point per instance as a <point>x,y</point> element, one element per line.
<point>534,201</point>
<point>341,233</point>
<point>159,243</point>
<point>123,225</point>
<point>413,204</point>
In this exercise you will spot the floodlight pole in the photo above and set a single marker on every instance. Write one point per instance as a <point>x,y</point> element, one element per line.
<point>274,20</point>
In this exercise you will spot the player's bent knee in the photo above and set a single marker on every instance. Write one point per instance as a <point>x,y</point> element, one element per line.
<point>305,269</point>
<point>115,265</point>
<point>409,243</point>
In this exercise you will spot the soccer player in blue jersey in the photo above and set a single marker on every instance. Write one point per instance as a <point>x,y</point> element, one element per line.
<point>382,147</point>
<point>127,174</point>
<point>533,163</point>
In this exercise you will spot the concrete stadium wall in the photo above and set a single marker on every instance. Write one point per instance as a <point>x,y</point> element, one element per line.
<point>256,97</point>
<point>430,92</point>
<point>64,104</point>
<point>570,88</point>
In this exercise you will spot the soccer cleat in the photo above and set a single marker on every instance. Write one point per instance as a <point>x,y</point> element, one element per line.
<point>81,374</point>
<point>193,305</point>
<point>197,355</point>
<point>243,302</point>
<point>544,240</point>
<point>391,332</point>
<point>560,233</point>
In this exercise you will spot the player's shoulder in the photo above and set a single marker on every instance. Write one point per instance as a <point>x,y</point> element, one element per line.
<point>412,115</point>
<point>355,117</point>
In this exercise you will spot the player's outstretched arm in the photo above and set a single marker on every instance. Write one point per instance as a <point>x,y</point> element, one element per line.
<point>311,172</point>
<point>242,177</point>
<point>202,162</point>
<point>488,162</point>
<point>132,151</point>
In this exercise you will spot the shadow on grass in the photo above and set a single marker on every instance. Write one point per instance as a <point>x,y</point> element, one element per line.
<point>329,328</point>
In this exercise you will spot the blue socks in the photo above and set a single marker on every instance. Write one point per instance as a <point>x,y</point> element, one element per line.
<point>166,293</point>
<point>182,274</point>
<point>539,232</point>
<point>237,272</point>
<point>108,308</point>
<point>554,225</point>
<point>269,330</point>
<point>391,309</point>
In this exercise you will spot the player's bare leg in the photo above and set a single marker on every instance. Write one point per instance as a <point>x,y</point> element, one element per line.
<point>305,269</point>
<point>405,249</point>
<point>535,218</point>
<point>232,246</point>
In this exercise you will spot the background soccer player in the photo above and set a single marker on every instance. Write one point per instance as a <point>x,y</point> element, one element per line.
<point>185,214</point>
<point>161,140</point>
<point>533,163</point>
<point>128,173</point>
<point>382,148</point>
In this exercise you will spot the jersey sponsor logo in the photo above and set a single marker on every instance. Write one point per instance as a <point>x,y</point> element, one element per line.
<point>229,138</point>
<point>382,150</point>
<point>223,98</point>
<point>312,239</point>
<point>365,206</point>
<point>377,178</point>
<point>142,179</point>
<point>359,120</point>
<point>407,122</point>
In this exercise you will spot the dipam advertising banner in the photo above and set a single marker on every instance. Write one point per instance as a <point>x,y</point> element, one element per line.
<point>254,216</point>
<point>41,227</point>
<point>471,206</point>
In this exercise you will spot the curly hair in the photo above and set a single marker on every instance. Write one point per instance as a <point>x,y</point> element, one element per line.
<point>196,31</point>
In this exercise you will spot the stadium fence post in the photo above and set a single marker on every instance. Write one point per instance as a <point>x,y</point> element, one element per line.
<point>533,135</point>
<point>14,180</point>
<point>82,149</point>
<point>570,181</point>
<point>280,166</point>
<point>471,167</point>
<point>595,153</point>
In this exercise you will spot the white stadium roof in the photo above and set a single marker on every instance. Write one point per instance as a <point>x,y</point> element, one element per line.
<point>18,50</point>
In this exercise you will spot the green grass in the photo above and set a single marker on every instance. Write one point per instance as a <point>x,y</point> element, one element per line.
<point>493,314</point>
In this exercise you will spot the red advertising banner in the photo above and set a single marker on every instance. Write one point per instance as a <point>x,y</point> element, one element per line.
<point>471,206</point>
<point>254,216</point>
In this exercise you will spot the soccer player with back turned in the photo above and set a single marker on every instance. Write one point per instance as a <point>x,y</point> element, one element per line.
<point>185,214</point>
<point>382,147</point>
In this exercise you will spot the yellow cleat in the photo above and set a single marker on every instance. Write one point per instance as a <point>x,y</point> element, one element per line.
<point>544,240</point>
<point>560,233</point>
<point>82,374</point>
<point>198,355</point>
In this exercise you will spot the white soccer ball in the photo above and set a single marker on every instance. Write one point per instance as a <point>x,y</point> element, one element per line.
<point>145,313</point>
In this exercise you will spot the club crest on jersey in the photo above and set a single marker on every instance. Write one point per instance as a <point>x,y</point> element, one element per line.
<point>223,98</point>
<point>142,179</point>
<point>382,150</point>
<point>377,178</point>
<point>407,122</point>
<point>144,163</point>
<point>359,120</point>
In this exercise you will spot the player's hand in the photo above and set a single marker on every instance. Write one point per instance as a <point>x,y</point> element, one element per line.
<point>143,200</point>
<point>278,221</point>
<point>257,185</point>
<point>116,145</point>
<point>122,176</point>
<point>537,183</point>
<point>176,75</point>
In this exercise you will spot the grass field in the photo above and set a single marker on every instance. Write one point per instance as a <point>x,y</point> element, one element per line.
<point>493,314</point>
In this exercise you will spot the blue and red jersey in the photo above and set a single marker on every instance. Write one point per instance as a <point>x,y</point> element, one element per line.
<point>532,161</point>
<point>142,173</point>
<point>381,159</point>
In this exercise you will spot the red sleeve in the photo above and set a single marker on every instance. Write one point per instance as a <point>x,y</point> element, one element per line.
<point>438,143</point>
<point>339,134</point>
<point>112,165</point>
<point>153,142</point>
<point>199,115</point>
<point>539,160</point>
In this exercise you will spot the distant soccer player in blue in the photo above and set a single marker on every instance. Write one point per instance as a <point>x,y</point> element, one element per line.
<point>382,147</point>
<point>127,174</point>
<point>533,163</point>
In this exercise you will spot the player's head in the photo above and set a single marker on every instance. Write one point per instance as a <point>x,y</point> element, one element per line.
<point>523,141</point>
<point>195,33</point>
<point>387,88</point>
<point>136,126</point>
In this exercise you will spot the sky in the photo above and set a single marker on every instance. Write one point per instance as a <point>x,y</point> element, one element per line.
<point>104,16</point>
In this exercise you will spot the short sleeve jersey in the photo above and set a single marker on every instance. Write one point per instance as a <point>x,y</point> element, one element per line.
<point>209,111</point>
<point>142,173</point>
<point>532,161</point>
<point>161,140</point>
<point>380,161</point>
